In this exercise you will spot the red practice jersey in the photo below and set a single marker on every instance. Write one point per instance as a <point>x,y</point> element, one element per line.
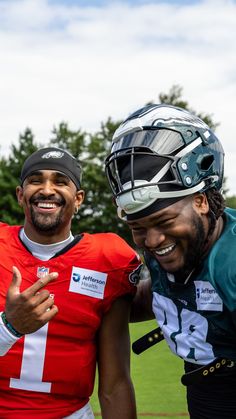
<point>50,373</point>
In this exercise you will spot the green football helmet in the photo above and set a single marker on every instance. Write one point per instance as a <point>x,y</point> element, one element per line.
<point>162,152</point>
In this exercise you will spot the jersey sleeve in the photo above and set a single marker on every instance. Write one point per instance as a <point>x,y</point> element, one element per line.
<point>123,268</point>
<point>222,270</point>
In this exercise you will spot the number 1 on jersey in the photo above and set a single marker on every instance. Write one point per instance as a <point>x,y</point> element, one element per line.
<point>33,363</point>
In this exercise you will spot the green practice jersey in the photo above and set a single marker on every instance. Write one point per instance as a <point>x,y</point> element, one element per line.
<point>198,319</point>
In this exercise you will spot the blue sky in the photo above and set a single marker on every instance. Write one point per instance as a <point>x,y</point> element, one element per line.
<point>86,3</point>
<point>82,61</point>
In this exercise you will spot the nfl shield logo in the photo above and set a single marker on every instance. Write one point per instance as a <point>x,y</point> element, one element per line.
<point>42,272</point>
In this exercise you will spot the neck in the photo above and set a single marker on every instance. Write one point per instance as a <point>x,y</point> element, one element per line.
<point>44,251</point>
<point>46,237</point>
<point>215,235</point>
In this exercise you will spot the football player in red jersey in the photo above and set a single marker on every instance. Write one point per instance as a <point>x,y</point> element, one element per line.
<point>66,307</point>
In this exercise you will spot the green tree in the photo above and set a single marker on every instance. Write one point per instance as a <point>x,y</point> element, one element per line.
<point>174,97</point>
<point>98,213</point>
<point>72,140</point>
<point>9,177</point>
<point>231,201</point>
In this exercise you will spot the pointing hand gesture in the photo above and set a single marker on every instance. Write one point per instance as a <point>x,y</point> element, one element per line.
<point>29,310</point>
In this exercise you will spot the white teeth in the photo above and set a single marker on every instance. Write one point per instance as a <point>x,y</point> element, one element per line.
<point>165,251</point>
<point>46,205</point>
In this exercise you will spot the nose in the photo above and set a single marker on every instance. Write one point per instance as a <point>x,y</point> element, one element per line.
<point>154,237</point>
<point>47,187</point>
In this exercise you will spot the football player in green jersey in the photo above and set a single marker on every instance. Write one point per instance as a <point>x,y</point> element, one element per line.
<point>166,171</point>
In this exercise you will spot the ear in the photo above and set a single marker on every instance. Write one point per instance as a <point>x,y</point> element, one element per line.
<point>79,199</point>
<point>19,195</point>
<point>200,203</point>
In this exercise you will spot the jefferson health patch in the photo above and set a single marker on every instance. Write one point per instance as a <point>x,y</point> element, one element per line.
<point>207,297</point>
<point>88,282</point>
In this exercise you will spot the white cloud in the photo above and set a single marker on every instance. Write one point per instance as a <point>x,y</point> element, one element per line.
<point>82,64</point>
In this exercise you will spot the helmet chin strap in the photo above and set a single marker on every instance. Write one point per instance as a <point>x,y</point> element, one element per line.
<point>121,214</point>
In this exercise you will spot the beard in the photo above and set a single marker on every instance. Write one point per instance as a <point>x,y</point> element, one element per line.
<point>45,223</point>
<point>195,252</point>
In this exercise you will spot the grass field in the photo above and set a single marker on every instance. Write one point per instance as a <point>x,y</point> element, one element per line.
<point>156,376</point>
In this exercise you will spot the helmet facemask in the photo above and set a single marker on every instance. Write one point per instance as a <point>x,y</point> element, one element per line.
<point>161,163</point>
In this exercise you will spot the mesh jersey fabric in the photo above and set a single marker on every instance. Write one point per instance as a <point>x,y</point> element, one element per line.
<point>50,373</point>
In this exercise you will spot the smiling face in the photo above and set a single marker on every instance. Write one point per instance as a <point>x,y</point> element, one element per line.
<point>49,199</point>
<point>175,236</point>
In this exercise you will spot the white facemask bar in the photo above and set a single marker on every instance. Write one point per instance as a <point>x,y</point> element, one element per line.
<point>181,153</point>
<point>131,207</point>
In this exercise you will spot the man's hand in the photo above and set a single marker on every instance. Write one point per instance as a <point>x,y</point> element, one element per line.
<point>29,310</point>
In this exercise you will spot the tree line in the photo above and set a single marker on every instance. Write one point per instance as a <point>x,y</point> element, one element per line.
<point>98,213</point>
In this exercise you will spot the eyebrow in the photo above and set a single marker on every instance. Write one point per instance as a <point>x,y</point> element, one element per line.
<point>55,174</point>
<point>35,173</point>
<point>60,174</point>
